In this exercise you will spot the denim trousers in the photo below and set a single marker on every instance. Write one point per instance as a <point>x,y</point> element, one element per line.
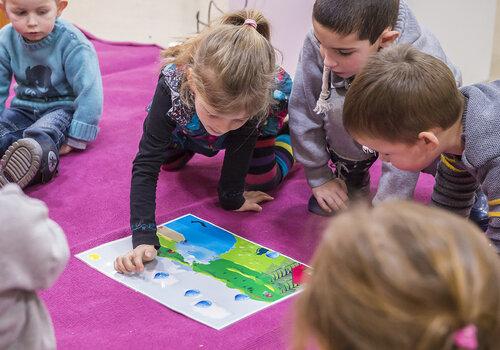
<point>48,129</point>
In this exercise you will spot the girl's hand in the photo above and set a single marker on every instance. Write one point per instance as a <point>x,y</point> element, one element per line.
<point>252,198</point>
<point>134,260</point>
<point>65,149</point>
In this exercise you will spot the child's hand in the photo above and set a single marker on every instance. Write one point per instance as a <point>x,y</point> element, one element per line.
<point>252,198</point>
<point>332,195</point>
<point>134,260</point>
<point>65,149</point>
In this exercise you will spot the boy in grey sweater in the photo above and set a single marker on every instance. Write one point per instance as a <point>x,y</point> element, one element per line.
<point>346,33</point>
<point>406,106</point>
<point>34,253</point>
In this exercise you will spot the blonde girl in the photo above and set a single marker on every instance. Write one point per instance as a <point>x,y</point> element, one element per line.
<point>401,276</point>
<point>218,90</point>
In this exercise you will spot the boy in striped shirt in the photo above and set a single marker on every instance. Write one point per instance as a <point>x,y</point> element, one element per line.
<point>405,105</point>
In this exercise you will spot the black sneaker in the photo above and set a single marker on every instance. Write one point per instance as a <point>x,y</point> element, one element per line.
<point>358,188</point>
<point>313,207</point>
<point>358,185</point>
<point>479,211</point>
<point>21,162</point>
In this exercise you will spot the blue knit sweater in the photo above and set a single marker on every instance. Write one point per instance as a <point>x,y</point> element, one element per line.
<point>60,71</point>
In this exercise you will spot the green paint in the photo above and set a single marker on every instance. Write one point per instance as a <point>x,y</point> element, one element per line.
<point>254,284</point>
<point>171,254</point>
<point>258,276</point>
<point>245,253</point>
<point>166,242</point>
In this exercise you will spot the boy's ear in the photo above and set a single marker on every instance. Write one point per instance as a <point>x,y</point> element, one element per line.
<point>61,5</point>
<point>428,140</point>
<point>388,37</point>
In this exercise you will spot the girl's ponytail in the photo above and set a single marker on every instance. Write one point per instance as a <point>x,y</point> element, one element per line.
<point>239,18</point>
<point>231,65</point>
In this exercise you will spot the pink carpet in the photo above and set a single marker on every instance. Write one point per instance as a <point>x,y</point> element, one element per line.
<point>89,199</point>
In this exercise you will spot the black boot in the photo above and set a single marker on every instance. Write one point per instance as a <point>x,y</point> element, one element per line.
<point>49,162</point>
<point>358,185</point>
<point>479,211</point>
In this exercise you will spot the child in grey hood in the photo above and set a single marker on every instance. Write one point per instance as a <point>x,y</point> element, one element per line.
<point>345,34</point>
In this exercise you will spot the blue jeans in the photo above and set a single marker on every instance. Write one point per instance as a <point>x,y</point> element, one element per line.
<point>48,129</point>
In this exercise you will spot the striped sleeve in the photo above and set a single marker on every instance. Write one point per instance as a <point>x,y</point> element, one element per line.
<point>455,186</point>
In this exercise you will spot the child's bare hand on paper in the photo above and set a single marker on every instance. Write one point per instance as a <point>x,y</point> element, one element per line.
<point>252,200</point>
<point>133,261</point>
<point>332,195</point>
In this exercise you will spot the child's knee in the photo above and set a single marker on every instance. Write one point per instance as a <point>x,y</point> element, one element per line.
<point>264,181</point>
<point>177,159</point>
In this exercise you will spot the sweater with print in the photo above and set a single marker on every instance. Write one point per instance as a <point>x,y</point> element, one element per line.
<point>171,124</point>
<point>59,71</point>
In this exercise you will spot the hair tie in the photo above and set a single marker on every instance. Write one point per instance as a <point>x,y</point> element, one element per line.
<point>250,22</point>
<point>466,337</point>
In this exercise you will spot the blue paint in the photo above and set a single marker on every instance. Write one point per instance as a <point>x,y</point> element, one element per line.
<point>161,275</point>
<point>261,251</point>
<point>200,233</point>
<point>272,255</point>
<point>241,297</point>
<point>199,222</point>
<point>192,252</point>
<point>192,293</point>
<point>203,304</point>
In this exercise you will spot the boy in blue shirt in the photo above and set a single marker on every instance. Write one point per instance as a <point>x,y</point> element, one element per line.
<point>58,97</point>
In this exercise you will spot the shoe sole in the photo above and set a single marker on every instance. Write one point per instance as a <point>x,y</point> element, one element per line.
<point>3,180</point>
<point>21,162</point>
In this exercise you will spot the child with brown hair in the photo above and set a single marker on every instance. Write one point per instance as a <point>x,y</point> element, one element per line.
<point>219,90</point>
<point>406,106</point>
<point>345,34</point>
<point>401,276</point>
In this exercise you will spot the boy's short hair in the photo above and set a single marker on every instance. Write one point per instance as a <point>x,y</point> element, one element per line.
<point>368,18</point>
<point>399,93</point>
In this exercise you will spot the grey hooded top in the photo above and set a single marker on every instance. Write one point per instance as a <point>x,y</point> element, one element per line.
<point>313,134</point>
